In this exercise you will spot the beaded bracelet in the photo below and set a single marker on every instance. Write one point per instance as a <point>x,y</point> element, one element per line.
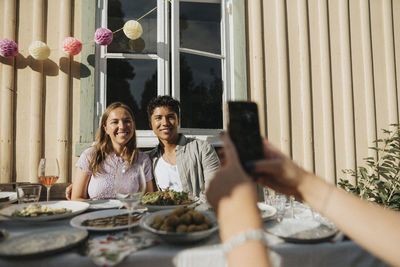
<point>242,237</point>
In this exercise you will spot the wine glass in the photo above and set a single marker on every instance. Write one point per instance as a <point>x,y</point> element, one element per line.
<point>48,172</point>
<point>129,187</point>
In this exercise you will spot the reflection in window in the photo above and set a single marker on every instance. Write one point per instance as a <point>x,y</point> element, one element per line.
<point>119,12</point>
<point>200,26</point>
<point>133,82</point>
<point>200,92</point>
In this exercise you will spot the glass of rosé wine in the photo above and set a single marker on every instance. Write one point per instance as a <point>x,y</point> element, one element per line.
<point>48,172</point>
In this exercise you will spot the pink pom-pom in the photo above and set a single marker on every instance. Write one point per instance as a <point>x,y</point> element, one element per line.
<point>103,36</point>
<point>8,48</point>
<point>72,46</point>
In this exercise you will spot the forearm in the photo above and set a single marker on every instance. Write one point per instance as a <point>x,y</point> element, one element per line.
<point>371,226</point>
<point>78,198</point>
<point>237,213</point>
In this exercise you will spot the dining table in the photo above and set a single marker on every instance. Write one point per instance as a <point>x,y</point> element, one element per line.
<point>338,251</point>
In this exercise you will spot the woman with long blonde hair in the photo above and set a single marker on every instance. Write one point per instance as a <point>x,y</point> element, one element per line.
<point>115,144</point>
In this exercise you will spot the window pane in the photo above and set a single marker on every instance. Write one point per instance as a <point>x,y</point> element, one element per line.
<point>119,12</point>
<point>133,82</point>
<point>201,92</point>
<point>200,26</point>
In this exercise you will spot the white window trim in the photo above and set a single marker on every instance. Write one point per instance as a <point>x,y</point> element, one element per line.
<point>146,138</point>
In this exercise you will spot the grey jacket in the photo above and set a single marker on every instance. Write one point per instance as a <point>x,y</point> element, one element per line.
<point>197,163</point>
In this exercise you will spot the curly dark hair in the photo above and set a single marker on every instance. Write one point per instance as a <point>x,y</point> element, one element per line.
<point>163,101</point>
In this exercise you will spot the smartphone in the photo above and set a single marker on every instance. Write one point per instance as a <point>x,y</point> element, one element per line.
<point>244,130</point>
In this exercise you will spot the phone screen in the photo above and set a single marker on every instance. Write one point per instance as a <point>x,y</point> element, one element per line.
<point>244,130</point>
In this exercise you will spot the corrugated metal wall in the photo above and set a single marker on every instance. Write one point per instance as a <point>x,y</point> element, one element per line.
<point>325,74</point>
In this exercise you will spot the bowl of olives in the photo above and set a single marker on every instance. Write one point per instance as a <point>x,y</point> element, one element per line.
<point>180,226</point>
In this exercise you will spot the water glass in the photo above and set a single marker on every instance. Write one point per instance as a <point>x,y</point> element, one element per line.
<point>275,200</point>
<point>28,193</point>
<point>129,188</point>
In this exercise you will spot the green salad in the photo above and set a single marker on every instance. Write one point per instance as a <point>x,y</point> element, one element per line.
<point>166,197</point>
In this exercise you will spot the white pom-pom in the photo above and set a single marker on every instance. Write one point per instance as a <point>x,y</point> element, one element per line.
<point>132,29</point>
<point>39,50</point>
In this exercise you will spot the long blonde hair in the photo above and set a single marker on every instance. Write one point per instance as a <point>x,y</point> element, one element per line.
<point>103,146</point>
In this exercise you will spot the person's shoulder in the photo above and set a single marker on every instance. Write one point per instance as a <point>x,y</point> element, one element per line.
<point>152,152</point>
<point>195,142</point>
<point>88,152</point>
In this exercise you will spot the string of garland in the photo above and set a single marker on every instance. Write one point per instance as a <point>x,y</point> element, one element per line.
<point>72,46</point>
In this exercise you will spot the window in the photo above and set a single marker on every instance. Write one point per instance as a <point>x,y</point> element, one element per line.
<point>183,52</point>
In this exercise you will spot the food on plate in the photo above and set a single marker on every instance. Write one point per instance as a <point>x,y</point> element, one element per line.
<point>181,220</point>
<point>166,197</point>
<point>4,199</point>
<point>35,210</point>
<point>110,221</point>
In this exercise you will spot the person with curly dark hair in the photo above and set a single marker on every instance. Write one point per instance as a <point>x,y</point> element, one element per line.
<point>179,162</point>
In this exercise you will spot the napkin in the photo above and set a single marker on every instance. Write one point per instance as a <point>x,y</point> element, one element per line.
<point>213,255</point>
<point>111,249</point>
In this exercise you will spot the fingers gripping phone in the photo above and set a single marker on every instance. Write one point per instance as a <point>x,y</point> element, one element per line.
<point>244,130</point>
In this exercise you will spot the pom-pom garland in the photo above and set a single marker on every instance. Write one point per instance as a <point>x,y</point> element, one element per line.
<point>132,29</point>
<point>72,46</point>
<point>8,48</point>
<point>39,50</point>
<point>103,36</point>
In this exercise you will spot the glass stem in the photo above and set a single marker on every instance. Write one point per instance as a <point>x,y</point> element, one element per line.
<point>130,210</point>
<point>292,206</point>
<point>48,193</point>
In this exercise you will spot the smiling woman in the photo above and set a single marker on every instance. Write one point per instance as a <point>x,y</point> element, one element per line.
<point>115,145</point>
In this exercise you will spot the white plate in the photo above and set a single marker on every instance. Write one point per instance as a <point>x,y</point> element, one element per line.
<point>76,207</point>
<point>104,204</point>
<point>41,242</point>
<point>78,220</point>
<point>11,195</point>
<point>301,230</point>
<point>267,212</point>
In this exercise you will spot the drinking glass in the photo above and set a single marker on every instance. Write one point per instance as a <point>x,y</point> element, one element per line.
<point>48,172</point>
<point>129,188</point>
<point>276,200</point>
<point>27,193</point>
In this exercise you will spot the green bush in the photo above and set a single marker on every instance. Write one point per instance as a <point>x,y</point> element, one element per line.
<point>379,181</point>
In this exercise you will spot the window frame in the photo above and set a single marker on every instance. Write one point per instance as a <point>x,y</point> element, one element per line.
<point>234,71</point>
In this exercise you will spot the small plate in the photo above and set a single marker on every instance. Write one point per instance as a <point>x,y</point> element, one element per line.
<point>78,220</point>
<point>103,204</point>
<point>12,197</point>
<point>41,242</point>
<point>301,230</point>
<point>267,212</point>
<point>76,207</point>
<point>178,238</point>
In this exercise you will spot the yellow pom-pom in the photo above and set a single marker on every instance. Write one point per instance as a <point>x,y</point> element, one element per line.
<point>132,29</point>
<point>39,50</point>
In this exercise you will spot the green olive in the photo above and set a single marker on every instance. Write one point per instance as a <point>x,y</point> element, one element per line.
<point>172,220</point>
<point>185,219</point>
<point>198,218</point>
<point>181,228</point>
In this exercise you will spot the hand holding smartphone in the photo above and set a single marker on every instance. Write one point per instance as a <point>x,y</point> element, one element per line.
<point>244,130</point>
